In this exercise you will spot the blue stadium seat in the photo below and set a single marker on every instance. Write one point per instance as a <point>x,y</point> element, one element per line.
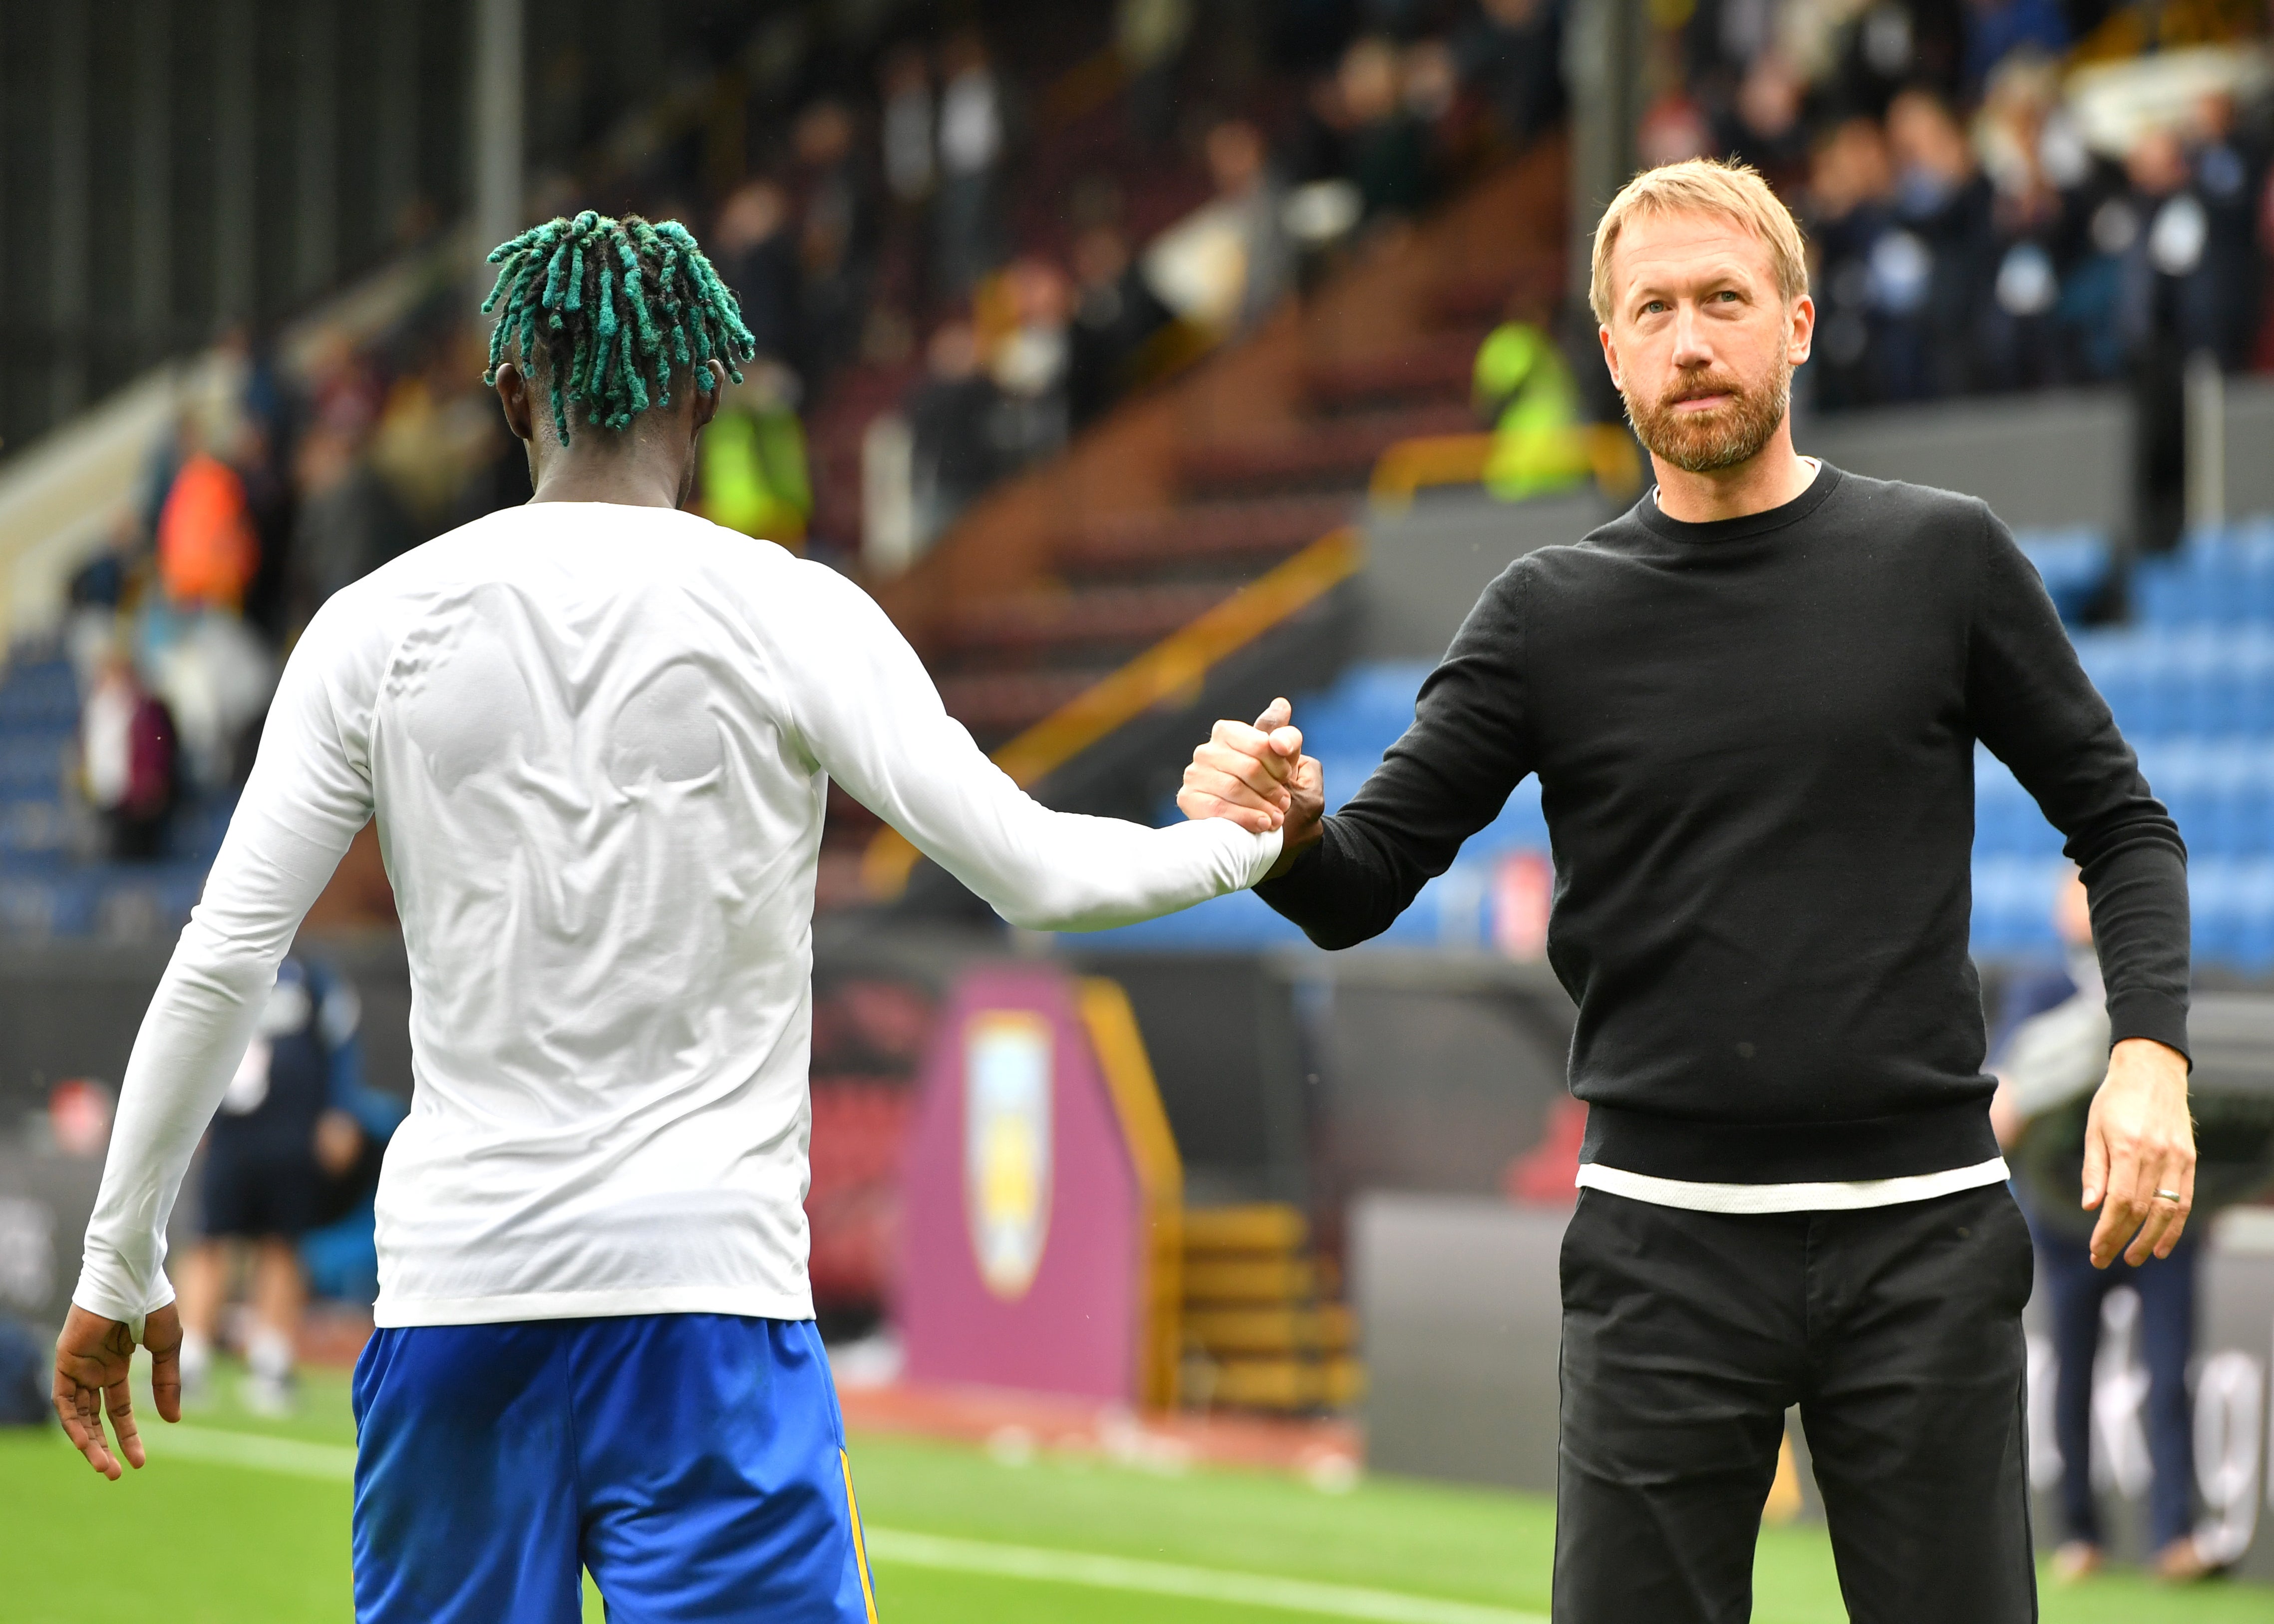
<point>2073,564</point>
<point>31,762</point>
<point>42,695</point>
<point>2013,903</point>
<point>37,903</point>
<point>2233,907</point>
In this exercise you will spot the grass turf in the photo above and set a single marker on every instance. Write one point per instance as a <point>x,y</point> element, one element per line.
<point>209,1542</point>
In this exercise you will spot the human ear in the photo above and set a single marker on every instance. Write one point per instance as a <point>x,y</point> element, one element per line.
<point>1611,355</point>
<point>1802,340</point>
<point>706,400</point>
<point>512,387</point>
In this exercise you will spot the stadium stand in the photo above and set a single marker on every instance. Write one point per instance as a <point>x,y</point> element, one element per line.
<point>47,887</point>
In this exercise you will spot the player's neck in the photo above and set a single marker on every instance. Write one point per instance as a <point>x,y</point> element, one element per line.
<point>643,466</point>
<point>1772,476</point>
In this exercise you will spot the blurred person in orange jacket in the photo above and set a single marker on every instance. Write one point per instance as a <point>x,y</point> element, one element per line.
<point>207,548</point>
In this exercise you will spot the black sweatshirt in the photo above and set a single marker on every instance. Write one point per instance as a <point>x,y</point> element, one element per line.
<point>1755,743</point>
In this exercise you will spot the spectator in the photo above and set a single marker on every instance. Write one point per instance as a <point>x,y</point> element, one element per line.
<point>1673,129</point>
<point>973,140</point>
<point>214,676</point>
<point>911,171</point>
<point>294,1121</point>
<point>1385,148</point>
<point>1251,202</point>
<point>1510,55</point>
<point>1931,272</point>
<point>2167,310</point>
<point>348,523</point>
<point>2021,343</point>
<point>1027,352</point>
<point>757,255</point>
<point>954,458</point>
<point>127,756</point>
<point>1766,131</point>
<point>2224,166</point>
<point>1225,265</point>
<point>2052,1056</point>
<point>1850,193</point>
<point>1115,314</point>
<point>1149,41</point>
<point>837,239</point>
<point>752,464</point>
<point>207,548</point>
<point>905,129</point>
<point>1523,388</point>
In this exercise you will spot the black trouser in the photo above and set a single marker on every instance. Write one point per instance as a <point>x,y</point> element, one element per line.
<point>1898,1332</point>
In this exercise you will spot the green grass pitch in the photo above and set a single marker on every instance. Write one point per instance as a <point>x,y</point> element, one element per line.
<point>238,1519</point>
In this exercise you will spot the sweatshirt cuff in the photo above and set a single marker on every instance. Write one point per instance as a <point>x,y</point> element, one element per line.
<point>108,1297</point>
<point>1268,847</point>
<point>2150,1015</point>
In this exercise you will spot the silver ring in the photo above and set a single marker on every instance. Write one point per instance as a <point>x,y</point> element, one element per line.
<point>2167,1195</point>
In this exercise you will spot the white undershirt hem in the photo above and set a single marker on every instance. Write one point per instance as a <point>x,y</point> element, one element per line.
<point>1835,1197</point>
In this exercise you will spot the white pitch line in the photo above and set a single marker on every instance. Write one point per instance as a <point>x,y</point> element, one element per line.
<point>290,1457</point>
<point>335,1462</point>
<point>1216,1584</point>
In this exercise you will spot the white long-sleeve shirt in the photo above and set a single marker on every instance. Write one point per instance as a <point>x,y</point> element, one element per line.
<point>597,740</point>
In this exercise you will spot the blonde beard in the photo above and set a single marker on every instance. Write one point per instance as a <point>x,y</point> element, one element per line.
<point>1706,442</point>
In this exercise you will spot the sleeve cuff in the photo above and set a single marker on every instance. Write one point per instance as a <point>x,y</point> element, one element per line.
<point>99,1297</point>
<point>1268,847</point>
<point>2150,1016</point>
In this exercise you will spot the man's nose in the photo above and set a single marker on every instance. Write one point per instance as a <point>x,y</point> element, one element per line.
<point>1690,346</point>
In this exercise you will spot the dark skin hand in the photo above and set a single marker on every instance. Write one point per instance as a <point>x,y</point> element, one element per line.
<point>93,1357</point>
<point>650,464</point>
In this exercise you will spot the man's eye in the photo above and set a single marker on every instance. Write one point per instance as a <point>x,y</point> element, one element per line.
<point>1653,307</point>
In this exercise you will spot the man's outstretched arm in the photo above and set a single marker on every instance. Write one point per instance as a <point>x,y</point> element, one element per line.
<point>1346,878</point>
<point>308,793</point>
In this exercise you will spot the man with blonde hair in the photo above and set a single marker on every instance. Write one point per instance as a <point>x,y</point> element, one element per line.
<point>1753,702</point>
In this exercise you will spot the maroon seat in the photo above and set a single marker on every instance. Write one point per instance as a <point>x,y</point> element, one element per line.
<point>1244,535</point>
<point>1336,454</point>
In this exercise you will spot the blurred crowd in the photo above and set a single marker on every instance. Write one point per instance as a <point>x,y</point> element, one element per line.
<point>958,249</point>
<point>2001,194</point>
<point>274,488</point>
<point>950,257</point>
<point>1004,256</point>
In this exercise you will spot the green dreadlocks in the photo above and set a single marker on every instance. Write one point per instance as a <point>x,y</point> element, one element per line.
<point>618,305</point>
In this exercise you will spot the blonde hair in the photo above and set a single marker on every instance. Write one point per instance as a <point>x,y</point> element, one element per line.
<point>1730,189</point>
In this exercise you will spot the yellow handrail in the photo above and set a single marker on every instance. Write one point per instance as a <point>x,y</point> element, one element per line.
<point>1461,459</point>
<point>1171,669</point>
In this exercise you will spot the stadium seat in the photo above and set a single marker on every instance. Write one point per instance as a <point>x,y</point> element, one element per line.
<point>2073,564</point>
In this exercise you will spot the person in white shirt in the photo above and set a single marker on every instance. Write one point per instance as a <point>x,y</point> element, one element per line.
<point>596,734</point>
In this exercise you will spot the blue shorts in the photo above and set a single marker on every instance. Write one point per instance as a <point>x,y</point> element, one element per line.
<point>694,1463</point>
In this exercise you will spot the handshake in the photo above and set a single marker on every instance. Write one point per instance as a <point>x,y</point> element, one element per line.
<point>1260,779</point>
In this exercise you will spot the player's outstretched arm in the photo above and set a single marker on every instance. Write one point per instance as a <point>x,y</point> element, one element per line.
<point>92,1358</point>
<point>868,713</point>
<point>308,793</point>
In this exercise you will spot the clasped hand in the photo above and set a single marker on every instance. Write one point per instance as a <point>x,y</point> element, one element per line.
<point>1260,779</point>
